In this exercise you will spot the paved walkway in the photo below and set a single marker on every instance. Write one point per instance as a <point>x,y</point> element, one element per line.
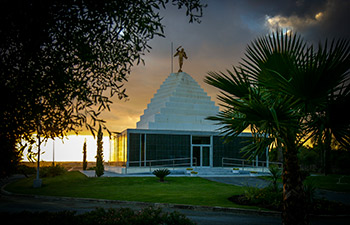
<point>241,181</point>
<point>334,196</point>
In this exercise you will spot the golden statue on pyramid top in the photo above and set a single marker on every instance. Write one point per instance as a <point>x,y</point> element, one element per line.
<point>181,54</point>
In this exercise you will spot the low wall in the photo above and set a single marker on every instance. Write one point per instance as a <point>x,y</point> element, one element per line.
<point>115,169</point>
<point>132,170</point>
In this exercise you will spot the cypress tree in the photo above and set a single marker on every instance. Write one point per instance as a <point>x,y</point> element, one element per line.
<point>99,156</point>
<point>84,156</point>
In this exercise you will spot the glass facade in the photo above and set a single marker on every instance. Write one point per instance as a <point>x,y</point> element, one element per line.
<point>145,147</point>
<point>230,149</point>
<point>167,146</point>
<point>112,155</point>
<point>118,155</point>
<point>134,149</point>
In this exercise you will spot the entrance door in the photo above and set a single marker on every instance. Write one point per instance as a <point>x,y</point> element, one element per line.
<point>205,156</point>
<point>201,155</point>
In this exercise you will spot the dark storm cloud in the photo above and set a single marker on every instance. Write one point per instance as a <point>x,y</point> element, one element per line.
<point>228,26</point>
<point>336,21</point>
<point>286,7</point>
<point>223,32</point>
<point>332,20</point>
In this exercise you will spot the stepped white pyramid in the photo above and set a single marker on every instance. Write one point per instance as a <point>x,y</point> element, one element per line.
<point>179,104</point>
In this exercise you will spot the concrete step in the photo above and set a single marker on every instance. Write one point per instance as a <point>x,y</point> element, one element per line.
<point>213,171</point>
<point>184,170</point>
<point>227,171</point>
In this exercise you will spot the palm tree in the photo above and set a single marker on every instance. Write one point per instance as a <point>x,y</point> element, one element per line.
<point>276,92</point>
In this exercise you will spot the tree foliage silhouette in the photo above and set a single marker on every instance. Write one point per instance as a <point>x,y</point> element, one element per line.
<point>62,61</point>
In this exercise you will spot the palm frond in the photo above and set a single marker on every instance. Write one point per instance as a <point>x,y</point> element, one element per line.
<point>271,113</point>
<point>235,83</point>
<point>257,147</point>
<point>285,85</point>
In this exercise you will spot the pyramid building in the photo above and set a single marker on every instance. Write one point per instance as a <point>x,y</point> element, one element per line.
<point>173,131</point>
<point>179,104</point>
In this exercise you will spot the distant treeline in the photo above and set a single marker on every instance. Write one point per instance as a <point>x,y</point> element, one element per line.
<point>66,165</point>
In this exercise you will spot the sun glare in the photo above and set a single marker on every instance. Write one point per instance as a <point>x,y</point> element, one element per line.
<point>71,149</point>
<point>319,16</point>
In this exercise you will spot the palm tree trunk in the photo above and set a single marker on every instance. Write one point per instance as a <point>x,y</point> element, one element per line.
<point>294,208</point>
<point>327,151</point>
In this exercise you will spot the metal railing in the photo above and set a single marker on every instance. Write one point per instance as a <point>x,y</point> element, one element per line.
<point>172,163</point>
<point>234,162</point>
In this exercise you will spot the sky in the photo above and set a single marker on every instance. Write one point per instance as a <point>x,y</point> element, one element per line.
<point>216,44</point>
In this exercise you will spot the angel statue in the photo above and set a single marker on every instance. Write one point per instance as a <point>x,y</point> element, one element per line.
<point>182,54</point>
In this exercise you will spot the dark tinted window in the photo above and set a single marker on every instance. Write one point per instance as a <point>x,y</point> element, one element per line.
<point>198,140</point>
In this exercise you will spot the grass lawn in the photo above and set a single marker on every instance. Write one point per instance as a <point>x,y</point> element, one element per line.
<point>178,190</point>
<point>330,182</point>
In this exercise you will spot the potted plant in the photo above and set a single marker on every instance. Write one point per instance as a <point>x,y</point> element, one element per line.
<point>235,170</point>
<point>189,170</point>
<point>253,173</point>
<point>194,173</point>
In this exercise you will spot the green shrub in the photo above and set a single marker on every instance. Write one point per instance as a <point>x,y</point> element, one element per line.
<point>276,173</point>
<point>250,193</point>
<point>147,216</point>
<point>161,173</point>
<point>309,190</point>
<point>92,168</point>
<point>25,170</point>
<point>269,198</point>
<point>266,197</point>
<point>100,216</point>
<point>52,171</point>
